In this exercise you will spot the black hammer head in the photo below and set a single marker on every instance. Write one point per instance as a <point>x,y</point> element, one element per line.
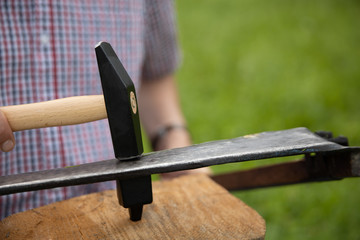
<point>121,104</point>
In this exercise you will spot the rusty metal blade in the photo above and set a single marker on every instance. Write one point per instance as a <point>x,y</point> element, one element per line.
<point>295,141</point>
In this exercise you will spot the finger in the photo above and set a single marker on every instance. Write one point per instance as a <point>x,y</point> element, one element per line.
<point>7,139</point>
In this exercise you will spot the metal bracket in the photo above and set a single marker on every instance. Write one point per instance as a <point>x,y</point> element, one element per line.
<point>315,167</point>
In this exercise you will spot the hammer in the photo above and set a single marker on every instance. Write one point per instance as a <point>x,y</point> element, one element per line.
<point>118,104</point>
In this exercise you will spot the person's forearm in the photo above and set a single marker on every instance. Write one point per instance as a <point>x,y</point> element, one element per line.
<point>160,108</point>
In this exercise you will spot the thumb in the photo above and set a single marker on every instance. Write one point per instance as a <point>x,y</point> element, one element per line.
<point>7,139</point>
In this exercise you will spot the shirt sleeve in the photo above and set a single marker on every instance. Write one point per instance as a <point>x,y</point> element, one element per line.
<point>160,40</point>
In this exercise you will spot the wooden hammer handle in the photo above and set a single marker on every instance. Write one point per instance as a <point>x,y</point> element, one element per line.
<point>59,112</point>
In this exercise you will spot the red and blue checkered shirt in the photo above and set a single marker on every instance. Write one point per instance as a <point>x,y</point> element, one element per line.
<point>47,52</point>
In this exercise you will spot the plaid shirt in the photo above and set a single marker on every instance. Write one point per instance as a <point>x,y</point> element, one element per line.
<point>47,52</point>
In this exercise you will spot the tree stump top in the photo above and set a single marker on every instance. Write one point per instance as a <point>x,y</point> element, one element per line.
<point>188,207</point>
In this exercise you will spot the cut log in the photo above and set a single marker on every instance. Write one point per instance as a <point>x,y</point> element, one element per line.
<point>188,207</point>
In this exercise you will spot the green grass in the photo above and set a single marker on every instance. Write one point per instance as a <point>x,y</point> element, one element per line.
<point>254,65</point>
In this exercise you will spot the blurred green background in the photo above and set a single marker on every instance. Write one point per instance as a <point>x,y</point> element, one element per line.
<point>255,65</point>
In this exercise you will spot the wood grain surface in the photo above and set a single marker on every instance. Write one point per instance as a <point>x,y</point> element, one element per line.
<point>188,207</point>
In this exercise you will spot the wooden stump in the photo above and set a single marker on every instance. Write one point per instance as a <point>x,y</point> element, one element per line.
<point>188,207</point>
